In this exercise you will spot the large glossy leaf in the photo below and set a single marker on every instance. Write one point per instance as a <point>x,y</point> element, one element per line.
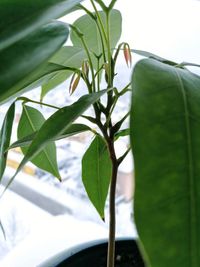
<point>88,27</point>
<point>165,135</point>
<point>5,136</point>
<point>68,56</point>
<point>38,77</point>
<point>96,173</point>
<point>74,129</point>
<point>21,17</point>
<point>25,56</point>
<point>56,125</point>
<point>31,121</point>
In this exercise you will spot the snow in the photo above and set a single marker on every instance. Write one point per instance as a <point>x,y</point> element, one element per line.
<point>18,217</point>
<point>39,235</point>
<point>52,236</point>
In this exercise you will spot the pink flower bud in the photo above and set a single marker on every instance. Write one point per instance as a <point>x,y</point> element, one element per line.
<point>127,54</point>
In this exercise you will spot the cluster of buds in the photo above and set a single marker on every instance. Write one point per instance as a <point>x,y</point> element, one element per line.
<point>77,75</point>
<point>127,54</point>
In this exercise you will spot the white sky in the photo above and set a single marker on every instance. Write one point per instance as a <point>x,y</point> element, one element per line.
<point>169,28</point>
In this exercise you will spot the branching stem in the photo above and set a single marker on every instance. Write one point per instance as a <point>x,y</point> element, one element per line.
<point>113,2</point>
<point>102,5</point>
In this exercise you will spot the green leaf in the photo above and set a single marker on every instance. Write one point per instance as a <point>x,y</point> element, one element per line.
<point>151,55</point>
<point>38,77</point>
<point>56,125</point>
<point>5,136</point>
<point>165,130</point>
<point>68,56</point>
<point>74,129</point>
<point>147,54</point>
<point>24,57</point>
<point>122,133</point>
<point>96,173</point>
<point>19,18</point>
<point>31,121</point>
<point>88,27</point>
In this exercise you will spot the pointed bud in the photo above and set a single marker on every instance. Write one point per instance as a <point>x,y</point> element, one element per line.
<point>74,82</point>
<point>71,82</point>
<point>85,68</point>
<point>127,54</point>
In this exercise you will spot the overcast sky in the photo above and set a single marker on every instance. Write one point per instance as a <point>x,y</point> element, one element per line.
<point>170,28</point>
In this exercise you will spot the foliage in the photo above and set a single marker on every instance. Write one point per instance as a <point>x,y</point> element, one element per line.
<point>5,136</point>
<point>165,142</point>
<point>96,178</point>
<point>163,119</point>
<point>25,57</point>
<point>31,121</point>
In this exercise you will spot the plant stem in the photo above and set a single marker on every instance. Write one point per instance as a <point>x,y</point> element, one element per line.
<point>98,75</point>
<point>99,28</point>
<point>90,63</point>
<point>117,52</point>
<point>102,5</point>
<point>100,21</point>
<point>113,2</point>
<point>123,156</point>
<point>81,36</point>
<point>111,110</point>
<point>104,31</point>
<point>112,222</point>
<point>125,89</point>
<point>110,78</point>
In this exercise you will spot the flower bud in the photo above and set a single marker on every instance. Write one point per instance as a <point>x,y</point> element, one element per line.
<point>85,68</point>
<point>127,54</point>
<point>74,82</point>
